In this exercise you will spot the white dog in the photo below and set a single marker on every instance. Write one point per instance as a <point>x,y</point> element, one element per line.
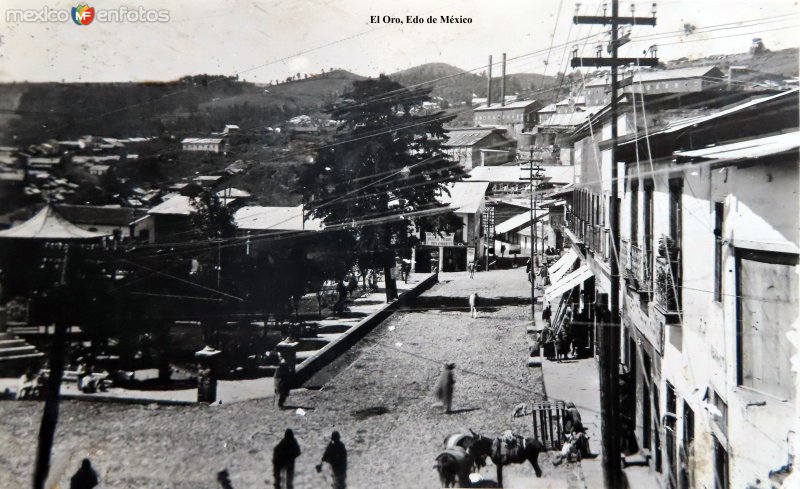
<point>473,305</point>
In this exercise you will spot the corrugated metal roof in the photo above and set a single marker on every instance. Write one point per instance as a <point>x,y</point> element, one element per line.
<point>201,141</point>
<point>496,174</point>
<point>752,148</point>
<point>518,221</point>
<point>233,192</point>
<point>178,205</point>
<point>521,104</point>
<point>677,73</point>
<point>465,197</point>
<point>260,218</point>
<point>48,224</point>
<point>681,124</point>
<point>574,119</point>
<point>578,100</point>
<point>466,137</point>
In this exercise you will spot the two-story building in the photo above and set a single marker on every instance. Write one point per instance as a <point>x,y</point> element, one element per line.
<point>710,228</point>
<point>699,390</point>
<point>478,146</point>
<point>516,117</point>
<point>452,252</point>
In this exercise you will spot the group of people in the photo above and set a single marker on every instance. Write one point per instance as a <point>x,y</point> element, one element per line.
<point>283,458</point>
<point>287,450</point>
<point>30,385</point>
<point>576,442</point>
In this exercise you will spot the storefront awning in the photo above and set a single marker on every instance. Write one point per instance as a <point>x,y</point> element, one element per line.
<point>561,266</point>
<point>567,282</point>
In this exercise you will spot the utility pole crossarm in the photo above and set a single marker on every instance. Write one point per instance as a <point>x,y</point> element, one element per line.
<point>599,19</point>
<point>599,61</point>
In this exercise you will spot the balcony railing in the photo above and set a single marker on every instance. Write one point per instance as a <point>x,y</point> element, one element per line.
<point>667,289</point>
<point>624,257</point>
<point>640,272</point>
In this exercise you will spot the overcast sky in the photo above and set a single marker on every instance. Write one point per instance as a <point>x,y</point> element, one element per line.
<point>264,40</point>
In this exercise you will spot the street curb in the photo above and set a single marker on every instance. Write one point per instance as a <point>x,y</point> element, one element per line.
<point>330,352</point>
<point>127,400</point>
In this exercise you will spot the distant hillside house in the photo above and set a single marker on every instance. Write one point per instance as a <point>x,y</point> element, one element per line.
<point>210,145</point>
<point>516,117</point>
<point>479,146</point>
<point>170,220</point>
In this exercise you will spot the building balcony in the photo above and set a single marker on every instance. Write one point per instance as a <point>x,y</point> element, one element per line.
<point>640,272</point>
<point>667,290</point>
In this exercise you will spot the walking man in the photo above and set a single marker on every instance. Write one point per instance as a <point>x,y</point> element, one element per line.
<point>283,460</point>
<point>473,305</point>
<point>283,381</point>
<point>336,456</point>
<point>85,477</point>
<point>471,268</point>
<point>444,389</point>
<point>528,269</point>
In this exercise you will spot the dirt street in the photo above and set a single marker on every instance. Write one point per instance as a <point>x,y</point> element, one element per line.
<point>378,396</point>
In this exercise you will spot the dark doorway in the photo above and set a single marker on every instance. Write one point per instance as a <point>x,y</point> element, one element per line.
<point>720,466</point>
<point>424,257</point>
<point>657,430</point>
<point>687,448</point>
<point>455,259</point>
<point>670,441</point>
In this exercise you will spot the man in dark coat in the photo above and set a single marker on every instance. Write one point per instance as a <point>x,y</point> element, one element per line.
<point>336,455</point>
<point>547,313</point>
<point>283,381</point>
<point>85,477</point>
<point>444,389</point>
<point>283,460</point>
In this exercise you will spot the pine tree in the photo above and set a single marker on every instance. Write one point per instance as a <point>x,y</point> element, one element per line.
<point>380,179</point>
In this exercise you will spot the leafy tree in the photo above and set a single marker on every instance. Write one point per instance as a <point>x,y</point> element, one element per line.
<point>380,180</point>
<point>213,218</point>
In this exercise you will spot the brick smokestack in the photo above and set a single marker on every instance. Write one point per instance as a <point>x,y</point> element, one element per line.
<point>489,87</point>
<point>503,83</point>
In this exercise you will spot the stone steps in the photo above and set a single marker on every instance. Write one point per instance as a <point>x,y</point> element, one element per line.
<point>16,354</point>
<point>641,458</point>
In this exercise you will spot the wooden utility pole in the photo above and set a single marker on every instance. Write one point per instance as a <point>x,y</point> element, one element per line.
<point>52,390</point>
<point>610,337</point>
<point>534,173</point>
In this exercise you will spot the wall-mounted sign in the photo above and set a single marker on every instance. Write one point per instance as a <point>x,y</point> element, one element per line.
<point>433,239</point>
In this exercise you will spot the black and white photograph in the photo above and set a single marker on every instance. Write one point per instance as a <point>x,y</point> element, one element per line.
<point>531,244</point>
